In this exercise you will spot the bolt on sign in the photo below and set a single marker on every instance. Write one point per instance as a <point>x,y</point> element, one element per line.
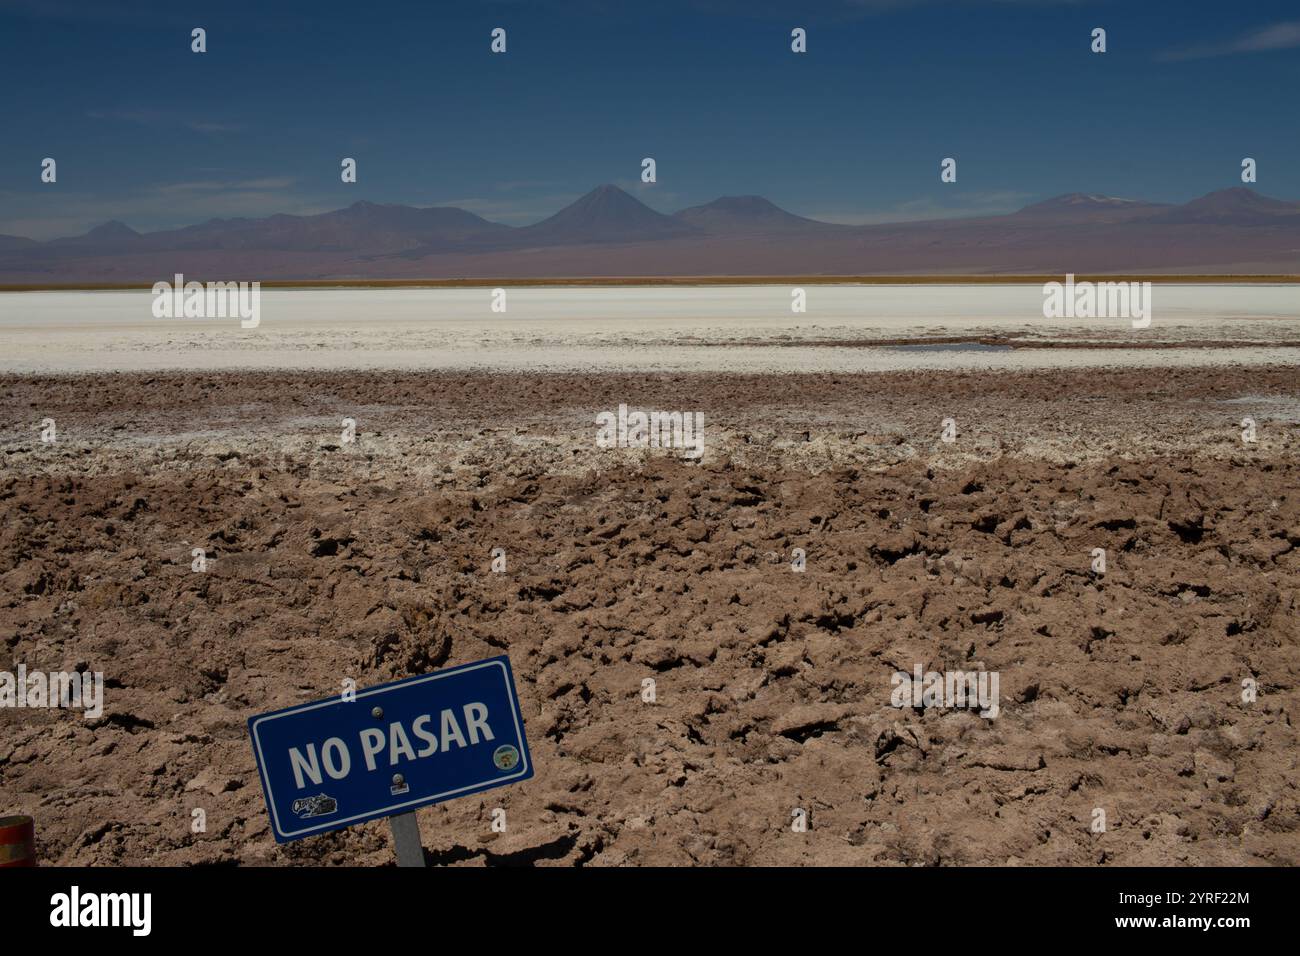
<point>389,749</point>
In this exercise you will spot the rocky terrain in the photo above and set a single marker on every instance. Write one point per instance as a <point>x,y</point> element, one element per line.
<point>772,688</point>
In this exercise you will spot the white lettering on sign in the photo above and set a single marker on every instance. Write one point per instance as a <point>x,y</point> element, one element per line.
<point>396,742</point>
<point>308,765</point>
<point>338,765</point>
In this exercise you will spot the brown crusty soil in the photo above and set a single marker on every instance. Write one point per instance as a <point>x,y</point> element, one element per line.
<point>371,561</point>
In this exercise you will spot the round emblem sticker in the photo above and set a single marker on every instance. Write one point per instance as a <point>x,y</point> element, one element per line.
<point>506,757</point>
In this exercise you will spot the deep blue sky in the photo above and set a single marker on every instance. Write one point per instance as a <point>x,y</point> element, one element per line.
<point>147,132</point>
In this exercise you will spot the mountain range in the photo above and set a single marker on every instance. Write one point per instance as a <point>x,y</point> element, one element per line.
<point>608,232</point>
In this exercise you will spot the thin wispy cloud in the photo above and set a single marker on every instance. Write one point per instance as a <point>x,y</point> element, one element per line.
<point>226,186</point>
<point>1277,36</point>
<point>78,11</point>
<point>161,118</point>
<point>516,184</point>
<point>834,9</point>
<point>916,210</point>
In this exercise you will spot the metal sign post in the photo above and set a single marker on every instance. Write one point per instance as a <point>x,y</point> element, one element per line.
<point>406,839</point>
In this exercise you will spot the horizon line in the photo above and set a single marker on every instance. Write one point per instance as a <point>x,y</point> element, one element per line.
<point>1250,188</point>
<point>1204,278</point>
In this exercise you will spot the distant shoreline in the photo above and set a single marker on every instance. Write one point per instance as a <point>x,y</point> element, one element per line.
<point>597,281</point>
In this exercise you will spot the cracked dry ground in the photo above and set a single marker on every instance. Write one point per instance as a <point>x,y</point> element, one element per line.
<point>773,688</point>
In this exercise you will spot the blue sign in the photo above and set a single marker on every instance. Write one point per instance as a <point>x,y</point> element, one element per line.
<point>392,748</point>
